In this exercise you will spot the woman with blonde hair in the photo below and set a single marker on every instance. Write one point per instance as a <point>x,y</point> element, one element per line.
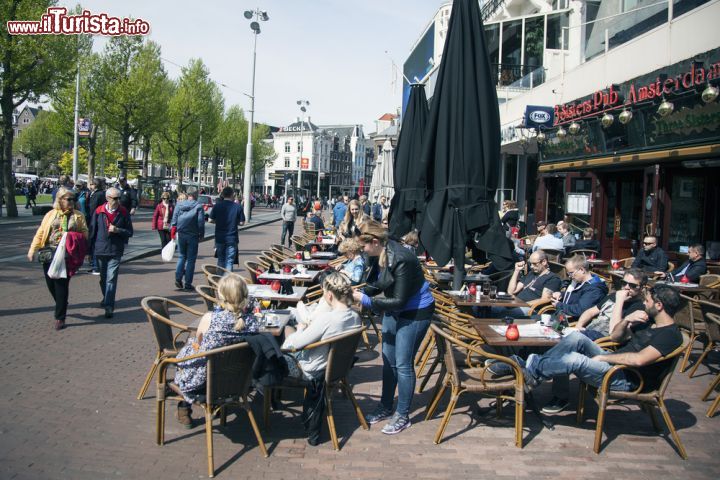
<point>61,219</point>
<point>225,325</point>
<point>354,219</point>
<point>407,306</point>
<point>355,265</point>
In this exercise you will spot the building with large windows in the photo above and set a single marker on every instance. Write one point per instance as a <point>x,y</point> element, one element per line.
<point>632,144</point>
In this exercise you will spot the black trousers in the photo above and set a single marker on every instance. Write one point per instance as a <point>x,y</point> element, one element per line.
<point>60,290</point>
<point>164,237</point>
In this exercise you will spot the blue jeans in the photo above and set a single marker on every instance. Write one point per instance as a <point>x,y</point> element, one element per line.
<point>401,339</point>
<point>109,271</point>
<point>287,230</point>
<point>226,255</point>
<point>574,355</point>
<point>187,249</point>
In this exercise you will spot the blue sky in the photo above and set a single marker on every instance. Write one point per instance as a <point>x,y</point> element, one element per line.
<point>330,52</point>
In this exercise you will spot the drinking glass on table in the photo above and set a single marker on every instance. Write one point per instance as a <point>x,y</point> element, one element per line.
<point>493,292</point>
<point>486,288</point>
<point>265,303</point>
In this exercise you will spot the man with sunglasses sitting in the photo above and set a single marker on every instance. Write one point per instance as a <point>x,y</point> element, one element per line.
<point>599,320</point>
<point>651,258</point>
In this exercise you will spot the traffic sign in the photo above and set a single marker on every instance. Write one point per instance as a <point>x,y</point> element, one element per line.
<point>129,165</point>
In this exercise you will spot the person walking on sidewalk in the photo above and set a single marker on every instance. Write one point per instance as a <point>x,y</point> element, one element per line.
<point>227,216</point>
<point>30,195</point>
<point>128,195</point>
<point>188,224</point>
<point>62,218</point>
<point>95,199</point>
<point>288,213</point>
<point>110,230</point>
<point>161,218</point>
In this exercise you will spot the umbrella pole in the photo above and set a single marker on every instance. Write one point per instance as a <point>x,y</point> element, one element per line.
<point>459,274</point>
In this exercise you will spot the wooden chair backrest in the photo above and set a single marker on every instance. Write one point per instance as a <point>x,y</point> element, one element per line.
<point>711,315</point>
<point>342,354</point>
<point>252,268</point>
<point>209,295</point>
<point>229,373</point>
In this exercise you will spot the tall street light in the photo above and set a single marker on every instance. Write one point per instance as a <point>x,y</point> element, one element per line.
<point>253,15</point>
<point>303,108</point>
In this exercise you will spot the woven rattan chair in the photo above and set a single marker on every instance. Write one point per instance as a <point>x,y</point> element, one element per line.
<point>473,380</point>
<point>710,280</point>
<point>166,331</point>
<point>213,280</point>
<point>209,295</point>
<point>283,250</point>
<point>210,269</point>
<point>711,315</point>
<point>341,353</point>
<point>585,252</point>
<point>626,262</point>
<point>254,269</point>
<point>648,398</point>
<point>299,242</point>
<point>685,319</point>
<point>229,375</point>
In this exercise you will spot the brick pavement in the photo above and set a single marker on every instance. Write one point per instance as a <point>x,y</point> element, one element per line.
<point>69,408</point>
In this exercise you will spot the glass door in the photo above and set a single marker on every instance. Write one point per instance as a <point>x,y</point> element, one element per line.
<point>623,213</point>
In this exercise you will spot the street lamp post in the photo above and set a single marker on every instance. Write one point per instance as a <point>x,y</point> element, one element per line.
<point>303,108</point>
<point>255,26</point>
<point>75,126</point>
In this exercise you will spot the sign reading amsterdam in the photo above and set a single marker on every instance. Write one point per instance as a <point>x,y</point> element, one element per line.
<point>663,84</point>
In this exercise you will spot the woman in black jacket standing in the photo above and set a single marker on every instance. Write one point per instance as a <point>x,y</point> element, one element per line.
<point>407,306</point>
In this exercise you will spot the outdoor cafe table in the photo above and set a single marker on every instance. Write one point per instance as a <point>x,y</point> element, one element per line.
<point>485,301</point>
<point>315,263</point>
<point>484,327</point>
<point>264,292</point>
<point>278,328</point>
<point>447,277</point>
<point>597,263</point>
<point>307,277</point>
<point>324,255</point>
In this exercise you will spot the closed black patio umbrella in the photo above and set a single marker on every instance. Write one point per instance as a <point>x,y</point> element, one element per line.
<point>462,149</point>
<point>409,178</point>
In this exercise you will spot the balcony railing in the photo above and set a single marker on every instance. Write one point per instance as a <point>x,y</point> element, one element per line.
<point>490,8</point>
<point>519,76</point>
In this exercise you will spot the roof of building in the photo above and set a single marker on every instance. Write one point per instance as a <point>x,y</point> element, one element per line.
<point>339,130</point>
<point>388,116</point>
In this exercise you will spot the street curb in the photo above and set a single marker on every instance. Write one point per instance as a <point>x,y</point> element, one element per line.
<point>156,251</point>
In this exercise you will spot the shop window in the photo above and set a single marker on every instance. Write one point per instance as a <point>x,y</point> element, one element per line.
<point>686,217</point>
<point>492,41</point>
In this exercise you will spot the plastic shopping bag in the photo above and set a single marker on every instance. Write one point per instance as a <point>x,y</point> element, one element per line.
<point>168,251</point>
<point>57,266</point>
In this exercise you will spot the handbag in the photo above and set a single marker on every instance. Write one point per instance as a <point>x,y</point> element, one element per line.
<point>57,266</point>
<point>45,254</point>
<point>168,251</point>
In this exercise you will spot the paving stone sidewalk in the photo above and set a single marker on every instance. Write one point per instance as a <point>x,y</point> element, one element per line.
<point>69,408</point>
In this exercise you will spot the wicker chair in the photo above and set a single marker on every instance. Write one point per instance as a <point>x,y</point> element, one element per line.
<point>299,242</point>
<point>229,375</point>
<point>209,295</point>
<point>210,269</point>
<point>166,331</point>
<point>473,380</point>
<point>648,398</point>
<point>558,269</point>
<point>685,319</point>
<point>710,280</point>
<point>283,250</point>
<point>341,353</point>
<point>711,314</point>
<point>254,269</point>
<point>585,252</point>
<point>626,262</point>
<point>213,280</point>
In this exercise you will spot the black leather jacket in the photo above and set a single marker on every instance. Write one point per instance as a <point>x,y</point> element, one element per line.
<point>399,281</point>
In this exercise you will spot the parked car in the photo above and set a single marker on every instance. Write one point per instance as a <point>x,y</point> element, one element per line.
<point>207,203</point>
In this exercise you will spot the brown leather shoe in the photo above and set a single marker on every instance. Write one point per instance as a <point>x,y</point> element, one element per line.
<point>183,416</point>
<point>59,324</point>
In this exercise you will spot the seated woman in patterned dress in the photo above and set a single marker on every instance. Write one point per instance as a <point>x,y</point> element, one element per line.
<point>222,327</point>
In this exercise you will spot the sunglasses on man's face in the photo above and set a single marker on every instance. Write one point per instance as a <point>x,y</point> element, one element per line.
<point>630,284</point>
<point>648,243</point>
<point>113,198</point>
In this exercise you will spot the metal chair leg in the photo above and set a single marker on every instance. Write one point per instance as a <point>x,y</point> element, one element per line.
<point>440,388</point>
<point>519,412</point>
<point>671,427</point>
<point>704,354</point>
<point>448,413</point>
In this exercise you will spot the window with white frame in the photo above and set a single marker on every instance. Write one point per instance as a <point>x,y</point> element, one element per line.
<point>287,161</point>
<point>287,147</point>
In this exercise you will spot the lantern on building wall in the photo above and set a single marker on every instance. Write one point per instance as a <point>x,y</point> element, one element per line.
<point>540,137</point>
<point>625,116</point>
<point>561,133</point>
<point>665,108</point>
<point>607,120</point>
<point>710,94</point>
<point>574,128</point>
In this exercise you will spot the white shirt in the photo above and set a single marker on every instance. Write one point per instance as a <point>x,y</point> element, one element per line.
<point>549,242</point>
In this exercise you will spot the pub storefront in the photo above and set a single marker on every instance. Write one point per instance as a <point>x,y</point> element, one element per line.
<point>637,158</point>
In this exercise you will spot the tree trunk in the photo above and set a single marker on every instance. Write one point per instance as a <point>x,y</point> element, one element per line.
<point>180,170</point>
<point>146,155</point>
<point>6,105</point>
<point>92,153</point>
<point>215,161</point>
<point>125,149</point>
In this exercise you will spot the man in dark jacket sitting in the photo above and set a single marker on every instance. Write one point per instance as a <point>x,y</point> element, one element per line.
<point>693,267</point>
<point>651,258</point>
<point>110,229</point>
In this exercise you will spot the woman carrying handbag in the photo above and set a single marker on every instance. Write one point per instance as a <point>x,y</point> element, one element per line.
<point>61,219</point>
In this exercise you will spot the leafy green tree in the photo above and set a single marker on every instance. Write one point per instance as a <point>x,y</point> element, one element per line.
<point>65,164</point>
<point>32,66</point>
<point>39,142</point>
<point>130,87</point>
<point>196,103</point>
<point>229,143</point>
